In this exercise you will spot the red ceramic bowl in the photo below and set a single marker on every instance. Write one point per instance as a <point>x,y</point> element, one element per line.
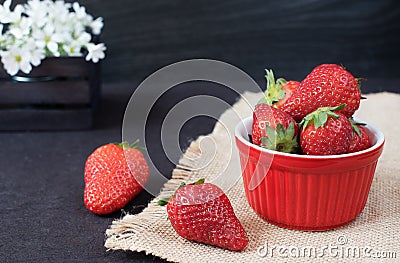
<point>306,192</point>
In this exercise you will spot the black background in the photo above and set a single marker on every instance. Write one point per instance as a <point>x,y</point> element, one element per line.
<point>288,36</point>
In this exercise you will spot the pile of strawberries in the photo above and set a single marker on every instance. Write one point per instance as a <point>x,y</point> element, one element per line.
<point>312,117</point>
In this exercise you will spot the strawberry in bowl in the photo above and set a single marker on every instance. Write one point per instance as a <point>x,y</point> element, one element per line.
<point>325,183</point>
<point>307,192</point>
<point>328,85</point>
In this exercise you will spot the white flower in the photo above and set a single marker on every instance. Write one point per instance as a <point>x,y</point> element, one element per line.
<point>48,38</point>
<point>16,59</point>
<point>97,25</point>
<point>80,11</point>
<point>59,11</point>
<point>36,53</point>
<point>43,28</point>
<point>84,38</point>
<point>21,28</point>
<point>73,49</point>
<point>37,11</point>
<point>8,16</point>
<point>4,38</point>
<point>95,52</point>
<point>77,28</point>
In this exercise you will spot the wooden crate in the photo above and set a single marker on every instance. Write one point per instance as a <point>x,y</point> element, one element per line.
<point>60,94</point>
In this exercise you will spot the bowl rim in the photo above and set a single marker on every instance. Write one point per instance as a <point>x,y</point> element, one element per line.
<point>241,127</point>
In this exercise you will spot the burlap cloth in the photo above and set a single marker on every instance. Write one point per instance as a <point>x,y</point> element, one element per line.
<point>373,236</point>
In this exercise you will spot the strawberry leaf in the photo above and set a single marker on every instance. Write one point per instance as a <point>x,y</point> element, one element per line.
<point>359,81</point>
<point>290,130</point>
<point>126,145</point>
<point>317,121</point>
<point>281,139</point>
<point>320,116</point>
<point>355,125</point>
<point>323,117</point>
<point>271,134</point>
<point>337,108</point>
<point>274,91</point>
<point>164,201</point>
<point>200,181</point>
<point>320,119</point>
<point>280,130</point>
<point>306,121</point>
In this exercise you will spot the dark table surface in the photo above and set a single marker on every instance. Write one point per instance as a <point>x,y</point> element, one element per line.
<point>43,218</point>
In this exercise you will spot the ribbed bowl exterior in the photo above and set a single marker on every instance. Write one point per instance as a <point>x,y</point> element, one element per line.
<point>307,193</point>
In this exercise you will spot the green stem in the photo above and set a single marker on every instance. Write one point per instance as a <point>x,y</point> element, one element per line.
<point>274,90</point>
<point>134,145</point>
<point>164,201</point>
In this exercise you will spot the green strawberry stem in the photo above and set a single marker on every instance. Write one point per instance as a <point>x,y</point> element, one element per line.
<point>274,91</point>
<point>355,125</point>
<point>281,139</point>
<point>320,116</point>
<point>126,145</point>
<point>359,80</point>
<point>164,201</point>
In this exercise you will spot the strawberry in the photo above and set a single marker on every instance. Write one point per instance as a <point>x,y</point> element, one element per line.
<point>279,91</point>
<point>328,85</point>
<point>202,212</point>
<point>274,129</point>
<point>360,140</point>
<point>289,89</point>
<point>114,175</point>
<point>325,131</point>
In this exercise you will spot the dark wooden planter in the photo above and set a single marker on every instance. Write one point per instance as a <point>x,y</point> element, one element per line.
<point>60,94</point>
